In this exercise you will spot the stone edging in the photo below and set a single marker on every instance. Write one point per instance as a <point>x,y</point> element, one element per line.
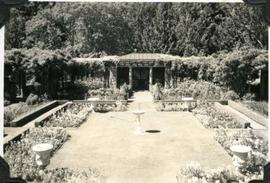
<point>33,114</point>
<point>249,113</point>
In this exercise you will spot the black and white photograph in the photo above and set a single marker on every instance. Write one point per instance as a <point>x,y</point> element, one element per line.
<point>134,92</point>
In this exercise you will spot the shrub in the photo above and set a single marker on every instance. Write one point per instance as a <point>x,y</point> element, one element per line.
<point>195,89</point>
<point>231,95</point>
<point>32,99</point>
<point>249,96</point>
<point>106,94</point>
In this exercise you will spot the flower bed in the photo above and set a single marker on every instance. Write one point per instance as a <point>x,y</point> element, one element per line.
<point>17,110</point>
<point>20,156</point>
<point>61,175</point>
<point>72,115</point>
<point>210,117</point>
<point>107,94</point>
<point>257,158</point>
<point>195,89</point>
<point>193,172</point>
<point>175,106</point>
<point>22,162</point>
<point>110,106</point>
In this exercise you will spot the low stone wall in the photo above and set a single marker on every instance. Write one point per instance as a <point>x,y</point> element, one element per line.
<point>33,114</point>
<point>249,113</point>
<point>34,123</point>
<point>100,101</point>
<point>223,102</point>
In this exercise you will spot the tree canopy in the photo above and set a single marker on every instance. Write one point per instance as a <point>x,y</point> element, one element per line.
<point>183,29</point>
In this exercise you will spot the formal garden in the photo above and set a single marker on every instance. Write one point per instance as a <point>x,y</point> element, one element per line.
<point>73,102</point>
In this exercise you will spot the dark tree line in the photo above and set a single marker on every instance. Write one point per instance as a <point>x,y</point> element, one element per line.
<point>118,28</point>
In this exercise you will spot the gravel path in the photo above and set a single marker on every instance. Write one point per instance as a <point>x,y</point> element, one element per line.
<point>107,142</point>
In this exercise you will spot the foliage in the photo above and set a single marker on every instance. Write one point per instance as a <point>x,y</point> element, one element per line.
<point>20,156</point>
<point>68,175</point>
<point>231,70</point>
<point>231,95</point>
<point>257,106</point>
<point>193,172</point>
<point>258,156</point>
<point>195,89</point>
<point>42,66</point>
<point>105,94</point>
<point>117,28</point>
<point>211,117</point>
<point>72,115</point>
<point>236,69</point>
<point>176,106</point>
<point>91,83</point>
<point>32,99</point>
<point>16,110</point>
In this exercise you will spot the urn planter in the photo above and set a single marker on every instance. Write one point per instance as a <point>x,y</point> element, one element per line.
<point>43,153</point>
<point>240,154</point>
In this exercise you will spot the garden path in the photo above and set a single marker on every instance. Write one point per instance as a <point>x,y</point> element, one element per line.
<point>107,141</point>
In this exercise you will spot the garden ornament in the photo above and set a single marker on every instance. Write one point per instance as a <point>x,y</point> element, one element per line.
<point>138,114</point>
<point>43,153</point>
<point>240,154</point>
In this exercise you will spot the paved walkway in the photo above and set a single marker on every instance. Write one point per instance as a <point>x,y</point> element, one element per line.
<point>107,142</point>
<point>143,100</point>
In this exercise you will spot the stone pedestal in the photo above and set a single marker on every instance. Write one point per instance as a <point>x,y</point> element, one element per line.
<point>138,114</point>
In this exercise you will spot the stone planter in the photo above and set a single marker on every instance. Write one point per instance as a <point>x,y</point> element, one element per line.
<point>43,153</point>
<point>240,154</point>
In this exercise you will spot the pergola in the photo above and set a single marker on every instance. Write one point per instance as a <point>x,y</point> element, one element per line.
<point>136,69</point>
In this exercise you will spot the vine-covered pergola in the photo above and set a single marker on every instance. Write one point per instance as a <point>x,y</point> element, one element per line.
<point>139,70</point>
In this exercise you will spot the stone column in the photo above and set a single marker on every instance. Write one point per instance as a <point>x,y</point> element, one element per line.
<point>130,77</point>
<point>168,77</point>
<point>113,76</point>
<point>150,78</point>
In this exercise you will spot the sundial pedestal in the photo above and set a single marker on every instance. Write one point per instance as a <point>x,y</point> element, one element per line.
<point>139,129</point>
